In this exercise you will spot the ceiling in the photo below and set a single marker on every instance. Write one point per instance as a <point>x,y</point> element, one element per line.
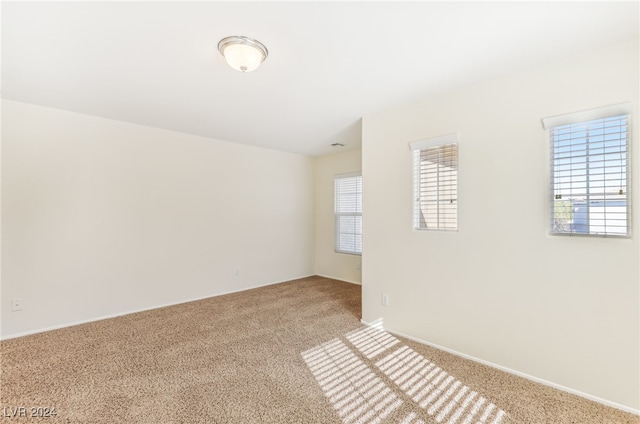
<point>329,64</point>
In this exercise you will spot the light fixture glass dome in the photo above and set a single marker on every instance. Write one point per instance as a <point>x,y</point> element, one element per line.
<point>242,53</point>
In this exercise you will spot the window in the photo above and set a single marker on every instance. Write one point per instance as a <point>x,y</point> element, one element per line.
<point>348,210</point>
<point>435,183</point>
<point>590,172</point>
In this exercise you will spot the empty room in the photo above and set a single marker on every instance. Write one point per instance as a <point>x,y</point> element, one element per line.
<point>320,212</point>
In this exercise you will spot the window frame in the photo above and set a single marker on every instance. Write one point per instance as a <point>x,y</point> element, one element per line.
<point>416,147</point>
<point>338,215</point>
<point>584,117</point>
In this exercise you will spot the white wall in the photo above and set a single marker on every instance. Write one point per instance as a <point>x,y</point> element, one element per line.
<point>101,217</point>
<point>501,289</point>
<point>328,263</point>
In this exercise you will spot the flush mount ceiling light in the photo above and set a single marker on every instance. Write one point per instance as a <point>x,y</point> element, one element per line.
<point>243,54</point>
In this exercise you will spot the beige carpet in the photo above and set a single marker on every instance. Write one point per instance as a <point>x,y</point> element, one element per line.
<point>288,353</point>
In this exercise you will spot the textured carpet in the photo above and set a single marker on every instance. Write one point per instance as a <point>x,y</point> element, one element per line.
<point>289,353</point>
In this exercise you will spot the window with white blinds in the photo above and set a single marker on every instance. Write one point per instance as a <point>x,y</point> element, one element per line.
<point>435,184</point>
<point>590,176</point>
<point>348,213</point>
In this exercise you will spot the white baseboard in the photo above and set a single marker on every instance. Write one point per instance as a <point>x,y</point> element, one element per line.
<point>511,371</point>
<point>135,311</point>
<point>340,279</point>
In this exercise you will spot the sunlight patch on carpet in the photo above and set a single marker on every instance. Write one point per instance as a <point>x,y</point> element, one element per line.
<point>360,392</point>
<point>353,389</point>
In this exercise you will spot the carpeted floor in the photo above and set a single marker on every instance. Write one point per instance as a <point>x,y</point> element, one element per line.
<point>289,353</point>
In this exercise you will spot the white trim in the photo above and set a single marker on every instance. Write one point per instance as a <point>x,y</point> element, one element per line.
<point>348,253</point>
<point>339,279</point>
<point>348,175</point>
<point>512,371</point>
<point>434,141</point>
<point>119,314</point>
<point>586,115</point>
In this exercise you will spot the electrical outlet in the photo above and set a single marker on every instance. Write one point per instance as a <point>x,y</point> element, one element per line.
<point>385,299</point>
<point>16,305</point>
<point>236,272</point>
<point>358,266</point>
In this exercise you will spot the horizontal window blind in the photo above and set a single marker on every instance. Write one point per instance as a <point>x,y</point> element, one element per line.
<point>590,168</point>
<point>348,213</point>
<point>436,187</point>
